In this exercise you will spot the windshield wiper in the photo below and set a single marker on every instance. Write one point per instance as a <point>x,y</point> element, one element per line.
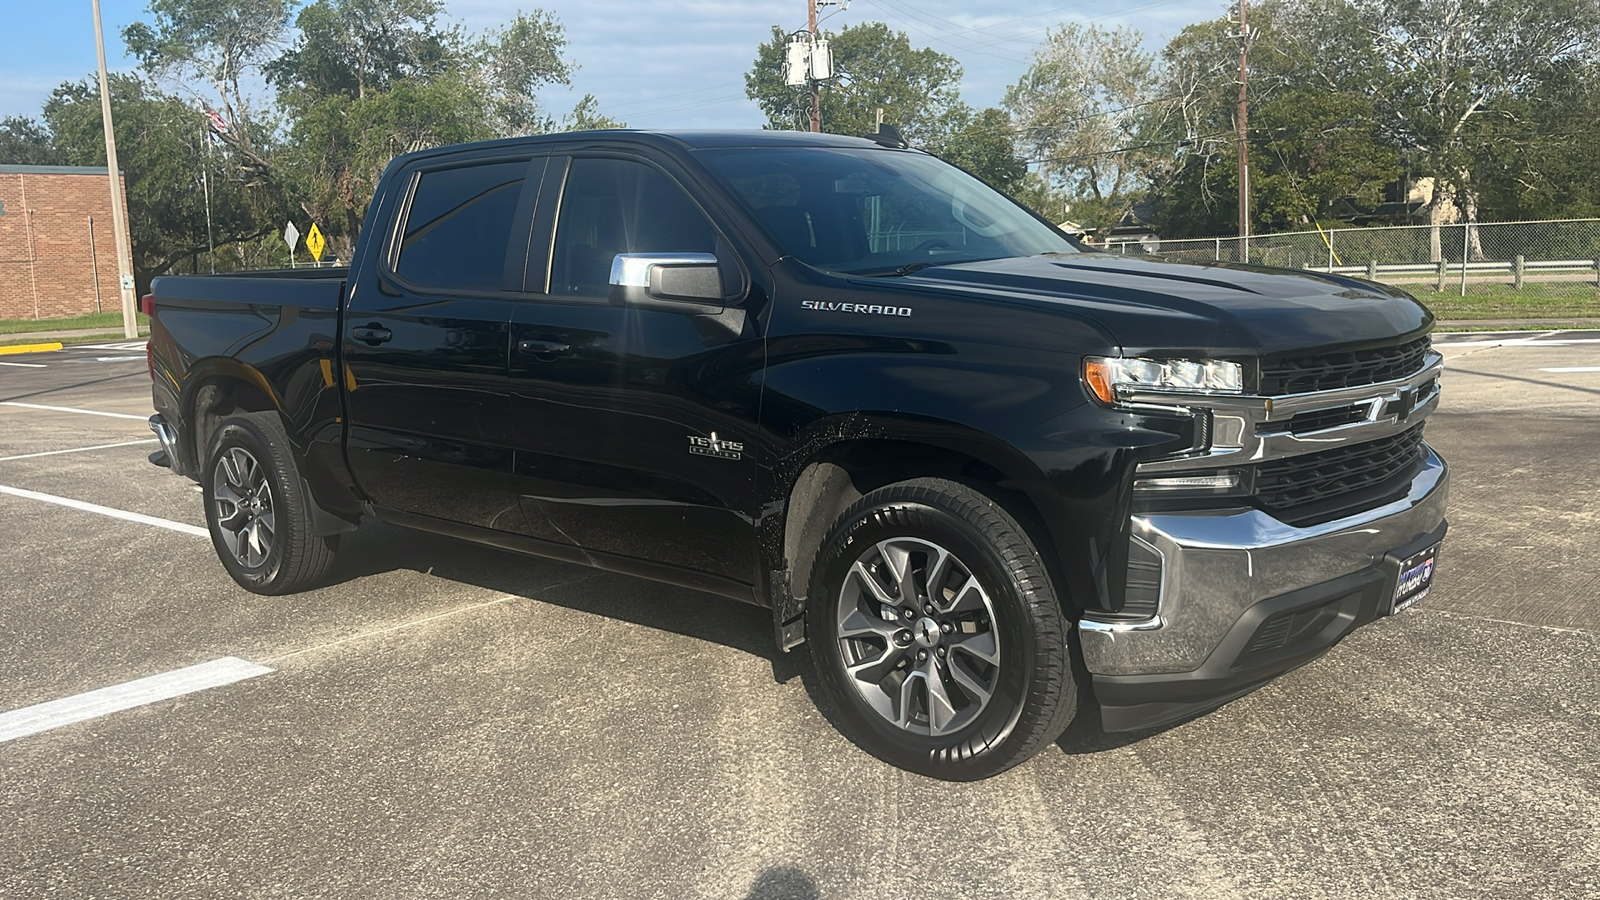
<point>906,269</point>
<point>910,267</point>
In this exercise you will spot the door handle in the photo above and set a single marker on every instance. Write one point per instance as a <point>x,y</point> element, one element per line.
<point>373,334</point>
<point>543,348</point>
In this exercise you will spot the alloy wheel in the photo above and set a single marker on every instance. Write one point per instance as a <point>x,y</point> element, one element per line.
<point>243,505</point>
<point>917,633</point>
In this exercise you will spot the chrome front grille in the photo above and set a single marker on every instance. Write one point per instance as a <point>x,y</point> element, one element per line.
<point>1331,371</point>
<point>1253,430</point>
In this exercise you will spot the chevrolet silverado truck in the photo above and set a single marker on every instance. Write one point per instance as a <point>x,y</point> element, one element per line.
<point>981,470</point>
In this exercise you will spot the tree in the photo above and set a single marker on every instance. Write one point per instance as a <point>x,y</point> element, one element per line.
<point>980,142</point>
<point>25,142</point>
<point>1536,158</point>
<point>517,60</point>
<point>370,79</point>
<point>917,91</point>
<point>1085,108</point>
<point>1436,68</point>
<point>362,81</point>
<point>1313,146</point>
<point>586,116</point>
<point>211,49</point>
<point>162,149</point>
<point>874,68</point>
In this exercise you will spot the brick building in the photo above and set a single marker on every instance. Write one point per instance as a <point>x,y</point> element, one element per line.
<point>49,266</point>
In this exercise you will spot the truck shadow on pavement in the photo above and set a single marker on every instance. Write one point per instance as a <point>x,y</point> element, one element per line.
<point>377,548</point>
<point>56,389</point>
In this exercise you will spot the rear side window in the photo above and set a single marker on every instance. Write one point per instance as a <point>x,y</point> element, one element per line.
<point>459,227</point>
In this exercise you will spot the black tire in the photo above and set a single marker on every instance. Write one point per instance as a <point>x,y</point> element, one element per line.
<point>974,718</point>
<point>257,510</point>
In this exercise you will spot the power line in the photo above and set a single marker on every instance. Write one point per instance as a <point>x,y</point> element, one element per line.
<point>966,47</point>
<point>1179,142</point>
<point>1045,28</point>
<point>650,100</point>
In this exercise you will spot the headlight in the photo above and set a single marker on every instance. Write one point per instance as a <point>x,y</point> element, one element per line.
<point>1110,378</point>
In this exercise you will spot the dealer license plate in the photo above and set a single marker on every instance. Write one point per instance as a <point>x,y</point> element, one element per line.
<point>1416,578</point>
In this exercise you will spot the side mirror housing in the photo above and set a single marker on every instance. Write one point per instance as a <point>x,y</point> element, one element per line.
<point>684,282</point>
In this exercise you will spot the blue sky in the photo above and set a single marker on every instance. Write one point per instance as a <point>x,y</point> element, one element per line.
<point>652,63</point>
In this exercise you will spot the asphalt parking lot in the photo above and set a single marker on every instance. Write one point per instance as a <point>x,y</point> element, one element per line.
<point>450,721</point>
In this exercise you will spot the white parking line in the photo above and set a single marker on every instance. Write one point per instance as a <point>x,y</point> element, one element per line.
<point>1518,342</point>
<point>119,345</point>
<point>77,450</point>
<point>1566,369</point>
<point>74,409</point>
<point>123,514</point>
<point>140,692</point>
<point>25,365</point>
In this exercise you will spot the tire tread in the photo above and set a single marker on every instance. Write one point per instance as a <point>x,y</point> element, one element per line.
<point>305,558</point>
<point>1051,699</point>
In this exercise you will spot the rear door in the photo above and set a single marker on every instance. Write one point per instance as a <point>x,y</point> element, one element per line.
<point>635,427</point>
<point>426,344</point>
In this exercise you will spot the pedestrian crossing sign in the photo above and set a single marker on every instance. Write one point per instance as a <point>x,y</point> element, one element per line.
<point>315,242</point>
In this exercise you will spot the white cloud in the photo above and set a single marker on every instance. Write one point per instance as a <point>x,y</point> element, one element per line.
<point>681,64</point>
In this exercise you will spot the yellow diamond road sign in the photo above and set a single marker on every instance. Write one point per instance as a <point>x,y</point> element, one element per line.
<point>315,242</point>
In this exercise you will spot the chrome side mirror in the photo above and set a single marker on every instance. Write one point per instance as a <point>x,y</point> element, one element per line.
<point>688,280</point>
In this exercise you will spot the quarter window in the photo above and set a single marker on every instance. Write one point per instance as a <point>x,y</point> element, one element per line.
<point>459,227</point>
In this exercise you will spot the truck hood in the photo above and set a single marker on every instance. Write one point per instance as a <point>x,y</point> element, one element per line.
<point>1159,307</point>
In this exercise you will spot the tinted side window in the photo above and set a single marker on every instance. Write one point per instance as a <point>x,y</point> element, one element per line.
<point>459,227</point>
<point>613,206</point>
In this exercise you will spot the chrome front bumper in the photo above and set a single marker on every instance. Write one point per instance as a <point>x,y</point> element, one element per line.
<point>1217,565</point>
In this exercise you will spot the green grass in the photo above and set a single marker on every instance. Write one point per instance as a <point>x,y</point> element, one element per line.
<point>91,320</point>
<point>98,337</point>
<point>1489,300</point>
<point>1530,329</point>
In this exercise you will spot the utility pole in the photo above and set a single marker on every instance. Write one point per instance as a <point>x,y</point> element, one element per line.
<point>119,210</point>
<point>816,93</point>
<point>1242,118</point>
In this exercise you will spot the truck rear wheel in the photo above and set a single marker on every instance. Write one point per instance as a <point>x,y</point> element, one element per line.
<point>257,510</point>
<point>937,633</point>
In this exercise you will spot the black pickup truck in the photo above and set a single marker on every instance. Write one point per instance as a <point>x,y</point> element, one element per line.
<point>974,465</point>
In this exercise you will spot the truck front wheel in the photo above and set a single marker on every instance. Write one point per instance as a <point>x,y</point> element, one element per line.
<point>937,633</point>
<point>257,510</point>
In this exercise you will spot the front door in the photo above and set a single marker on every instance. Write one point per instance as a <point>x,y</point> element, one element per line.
<point>426,344</point>
<point>634,427</point>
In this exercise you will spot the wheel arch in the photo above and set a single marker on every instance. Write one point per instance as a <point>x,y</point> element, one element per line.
<point>866,453</point>
<point>219,387</point>
<point>215,389</point>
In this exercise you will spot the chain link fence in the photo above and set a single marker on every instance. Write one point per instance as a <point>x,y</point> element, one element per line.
<point>1484,270</point>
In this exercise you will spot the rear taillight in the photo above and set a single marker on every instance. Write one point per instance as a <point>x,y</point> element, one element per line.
<point>147,305</point>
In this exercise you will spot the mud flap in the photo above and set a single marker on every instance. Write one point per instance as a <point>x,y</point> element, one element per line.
<point>788,613</point>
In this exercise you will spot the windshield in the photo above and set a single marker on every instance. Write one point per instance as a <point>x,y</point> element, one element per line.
<point>878,212</point>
